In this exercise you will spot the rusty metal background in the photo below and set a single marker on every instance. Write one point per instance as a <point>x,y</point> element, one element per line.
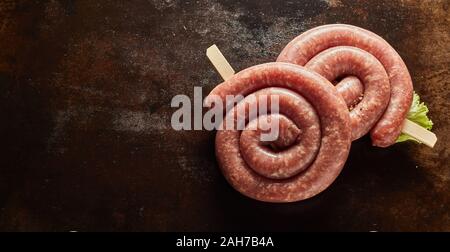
<point>86,142</point>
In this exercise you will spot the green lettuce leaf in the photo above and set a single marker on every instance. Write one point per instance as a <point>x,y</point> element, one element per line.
<point>418,114</point>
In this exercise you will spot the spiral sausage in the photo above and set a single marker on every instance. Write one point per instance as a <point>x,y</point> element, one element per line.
<point>314,136</point>
<point>345,60</point>
<point>320,42</point>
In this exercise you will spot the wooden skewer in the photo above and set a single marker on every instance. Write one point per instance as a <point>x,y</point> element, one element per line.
<point>418,132</point>
<point>411,128</point>
<point>220,63</point>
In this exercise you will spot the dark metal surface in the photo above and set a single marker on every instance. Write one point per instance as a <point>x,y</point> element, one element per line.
<point>85,90</point>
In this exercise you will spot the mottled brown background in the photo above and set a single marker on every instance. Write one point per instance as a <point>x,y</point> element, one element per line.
<point>86,142</point>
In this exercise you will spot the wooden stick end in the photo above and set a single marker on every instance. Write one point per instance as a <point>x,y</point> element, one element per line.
<point>418,132</point>
<point>220,62</point>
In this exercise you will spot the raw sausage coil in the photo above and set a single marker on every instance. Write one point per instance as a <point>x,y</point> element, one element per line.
<point>314,136</point>
<point>329,49</point>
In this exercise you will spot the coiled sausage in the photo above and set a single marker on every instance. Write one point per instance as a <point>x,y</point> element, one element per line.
<point>311,43</point>
<point>314,137</point>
